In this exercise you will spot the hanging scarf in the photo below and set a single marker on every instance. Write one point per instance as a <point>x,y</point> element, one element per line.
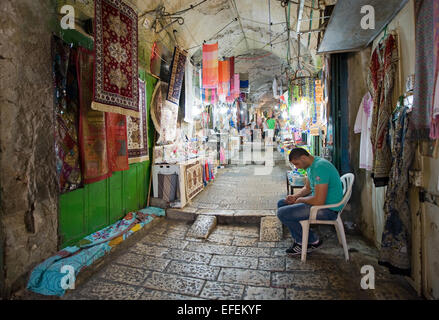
<point>210,66</point>
<point>424,69</point>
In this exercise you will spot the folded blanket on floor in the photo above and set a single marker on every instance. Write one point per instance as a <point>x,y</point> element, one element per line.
<point>47,277</point>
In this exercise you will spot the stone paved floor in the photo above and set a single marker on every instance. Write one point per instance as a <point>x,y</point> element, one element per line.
<point>233,264</point>
<point>239,188</point>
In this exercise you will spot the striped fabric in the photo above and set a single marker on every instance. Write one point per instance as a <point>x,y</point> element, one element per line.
<point>209,96</point>
<point>168,185</point>
<point>223,78</point>
<point>210,66</point>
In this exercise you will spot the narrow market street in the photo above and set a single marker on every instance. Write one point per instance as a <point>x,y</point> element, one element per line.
<point>221,150</point>
<point>233,264</point>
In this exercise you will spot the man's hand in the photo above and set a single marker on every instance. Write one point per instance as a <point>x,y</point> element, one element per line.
<point>291,199</point>
<point>300,200</point>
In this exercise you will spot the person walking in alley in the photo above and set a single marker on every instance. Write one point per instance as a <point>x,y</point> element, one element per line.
<point>323,186</point>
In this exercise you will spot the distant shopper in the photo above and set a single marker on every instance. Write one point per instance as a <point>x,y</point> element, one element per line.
<point>323,186</point>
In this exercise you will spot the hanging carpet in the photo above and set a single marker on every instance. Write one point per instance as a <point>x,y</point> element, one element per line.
<point>92,135</point>
<point>117,146</point>
<point>194,180</point>
<point>116,86</point>
<point>137,130</point>
<point>66,105</point>
<point>177,74</point>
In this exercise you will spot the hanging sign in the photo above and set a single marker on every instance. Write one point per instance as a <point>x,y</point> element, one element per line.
<point>319,91</point>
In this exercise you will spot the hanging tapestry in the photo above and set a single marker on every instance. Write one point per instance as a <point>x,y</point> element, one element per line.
<point>194,180</point>
<point>117,146</point>
<point>116,86</point>
<point>92,134</point>
<point>424,69</point>
<point>395,250</point>
<point>66,101</point>
<point>168,123</point>
<point>210,66</point>
<point>232,73</point>
<point>381,78</point>
<point>137,130</point>
<point>160,61</point>
<point>177,74</point>
<point>434,130</point>
<point>223,78</point>
<point>209,96</point>
<point>189,100</point>
<point>235,92</point>
<point>157,102</point>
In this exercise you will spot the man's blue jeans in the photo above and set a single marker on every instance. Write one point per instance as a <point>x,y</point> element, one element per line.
<point>290,215</point>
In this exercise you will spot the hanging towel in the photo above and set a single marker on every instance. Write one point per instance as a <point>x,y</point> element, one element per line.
<point>210,66</point>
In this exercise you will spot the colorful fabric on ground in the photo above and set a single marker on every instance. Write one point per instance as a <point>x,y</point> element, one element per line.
<point>210,66</point>
<point>177,74</point>
<point>92,132</point>
<point>66,100</point>
<point>424,69</point>
<point>116,86</point>
<point>194,180</point>
<point>381,79</point>
<point>117,146</point>
<point>47,278</point>
<point>223,78</point>
<point>137,130</point>
<point>396,239</point>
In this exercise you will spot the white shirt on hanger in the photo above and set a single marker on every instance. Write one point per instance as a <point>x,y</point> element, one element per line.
<point>363,125</point>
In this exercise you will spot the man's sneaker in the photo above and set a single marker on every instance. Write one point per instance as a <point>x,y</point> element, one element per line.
<point>296,248</point>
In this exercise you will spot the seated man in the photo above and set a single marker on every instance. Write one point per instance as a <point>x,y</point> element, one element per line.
<point>323,186</point>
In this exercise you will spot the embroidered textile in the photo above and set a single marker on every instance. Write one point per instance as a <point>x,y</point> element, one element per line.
<point>116,86</point>
<point>168,123</point>
<point>117,146</point>
<point>194,180</point>
<point>382,70</point>
<point>210,66</point>
<point>66,109</point>
<point>92,132</point>
<point>177,74</point>
<point>157,103</point>
<point>424,69</point>
<point>396,239</point>
<point>137,130</point>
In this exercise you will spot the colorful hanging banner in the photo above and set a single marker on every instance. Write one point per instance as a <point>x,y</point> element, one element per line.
<point>210,66</point>
<point>223,78</point>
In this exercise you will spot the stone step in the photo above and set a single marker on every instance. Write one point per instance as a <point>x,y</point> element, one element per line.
<point>252,216</point>
<point>202,227</point>
<point>271,229</point>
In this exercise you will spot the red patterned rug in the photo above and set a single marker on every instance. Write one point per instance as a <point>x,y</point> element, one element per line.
<point>116,86</point>
<point>117,146</point>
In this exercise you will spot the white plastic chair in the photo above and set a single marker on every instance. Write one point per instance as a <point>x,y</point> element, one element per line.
<point>347,181</point>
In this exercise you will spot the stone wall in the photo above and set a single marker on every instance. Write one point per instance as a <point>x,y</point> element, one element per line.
<point>28,191</point>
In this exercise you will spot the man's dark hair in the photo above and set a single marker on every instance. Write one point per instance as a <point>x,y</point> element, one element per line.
<point>296,153</point>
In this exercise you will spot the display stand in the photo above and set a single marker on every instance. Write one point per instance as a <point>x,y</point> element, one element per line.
<point>179,169</point>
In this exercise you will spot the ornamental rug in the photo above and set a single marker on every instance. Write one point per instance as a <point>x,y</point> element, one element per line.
<point>194,180</point>
<point>116,86</point>
<point>157,102</point>
<point>117,146</point>
<point>177,74</point>
<point>92,134</point>
<point>66,106</point>
<point>137,130</point>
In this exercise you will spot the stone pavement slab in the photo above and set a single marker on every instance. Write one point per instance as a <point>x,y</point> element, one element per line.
<point>202,227</point>
<point>271,229</point>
